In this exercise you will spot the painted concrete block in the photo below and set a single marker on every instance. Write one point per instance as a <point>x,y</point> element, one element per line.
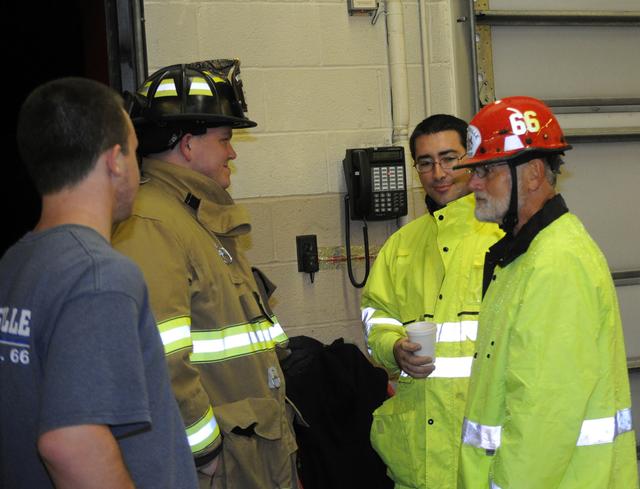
<point>367,43</point>
<point>280,164</point>
<point>339,142</point>
<point>324,217</point>
<point>259,245</point>
<point>171,33</point>
<point>319,99</point>
<point>297,302</point>
<point>262,34</point>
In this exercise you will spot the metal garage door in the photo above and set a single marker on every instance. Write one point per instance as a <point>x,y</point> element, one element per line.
<point>585,63</point>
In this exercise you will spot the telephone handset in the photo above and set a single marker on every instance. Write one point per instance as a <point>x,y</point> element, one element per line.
<point>376,190</point>
<point>376,183</point>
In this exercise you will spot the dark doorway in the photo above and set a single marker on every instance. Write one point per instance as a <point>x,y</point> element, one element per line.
<point>50,40</point>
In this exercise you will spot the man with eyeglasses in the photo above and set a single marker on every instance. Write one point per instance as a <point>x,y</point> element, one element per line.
<point>429,270</point>
<point>549,403</point>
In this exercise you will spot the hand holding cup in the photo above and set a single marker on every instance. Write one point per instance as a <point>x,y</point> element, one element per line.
<point>415,355</point>
<point>424,334</point>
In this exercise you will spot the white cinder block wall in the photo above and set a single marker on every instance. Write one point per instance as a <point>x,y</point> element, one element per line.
<point>317,82</point>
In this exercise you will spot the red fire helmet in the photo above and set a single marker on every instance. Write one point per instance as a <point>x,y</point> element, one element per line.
<point>511,128</point>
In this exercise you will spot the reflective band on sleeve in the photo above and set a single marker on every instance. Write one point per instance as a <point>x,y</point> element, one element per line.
<point>456,332</point>
<point>369,321</point>
<point>495,486</point>
<point>243,339</point>
<point>592,432</point>
<point>199,86</point>
<point>367,313</point>
<point>604,430</point>
<point>452,367</point>
<point>167,88</point>
<point>175,334</point>
<point>204,432</point>
<point>481,436</point>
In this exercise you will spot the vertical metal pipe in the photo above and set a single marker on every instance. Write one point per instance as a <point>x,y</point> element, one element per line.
<point>474,56</point>
<point>399,85</point>
<point>424,42</point>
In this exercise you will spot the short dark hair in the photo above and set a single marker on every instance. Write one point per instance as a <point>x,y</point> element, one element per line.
<point>438,123</point>
<point>64,125</point>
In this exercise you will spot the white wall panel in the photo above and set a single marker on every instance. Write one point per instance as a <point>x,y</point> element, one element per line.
<point>554,62</point>
<point>564,5</point>
<point>600,179</point>
<point>600,184</point>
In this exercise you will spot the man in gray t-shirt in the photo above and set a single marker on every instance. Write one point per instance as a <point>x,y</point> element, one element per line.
<point>85,399</point>
<point>79,346</point>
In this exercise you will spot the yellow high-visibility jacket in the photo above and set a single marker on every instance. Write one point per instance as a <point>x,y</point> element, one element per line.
<point>430,269</point>
<point>218,331</point>
<point>549,404</point>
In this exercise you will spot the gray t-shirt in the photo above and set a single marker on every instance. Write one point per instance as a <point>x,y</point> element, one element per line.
<point>79,345</point>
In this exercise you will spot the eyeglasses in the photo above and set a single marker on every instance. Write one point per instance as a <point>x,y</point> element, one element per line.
<point>446,162</point>
<point>483,171</point>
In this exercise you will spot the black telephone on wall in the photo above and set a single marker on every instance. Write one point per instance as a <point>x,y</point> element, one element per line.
<point>376,190</point>
<point>376,183</point>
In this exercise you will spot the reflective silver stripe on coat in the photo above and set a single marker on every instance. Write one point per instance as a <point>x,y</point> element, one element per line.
<point>455,332</point>
<point>495,486</point>
<point>592,432</point>
<point>449,368</point>
<point>233,341</point>
<point>452,367</point>
<point>175,334</point>
<point>448,332</point>
<point>203,432</point>
<point>604,430</point>
<point>481,436</point>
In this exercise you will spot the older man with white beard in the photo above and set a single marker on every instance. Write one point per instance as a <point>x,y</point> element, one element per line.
<point>549,403</point>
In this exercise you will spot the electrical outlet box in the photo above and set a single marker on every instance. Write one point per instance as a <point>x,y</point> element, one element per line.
<point>362,6</point>
<point>307,247</point>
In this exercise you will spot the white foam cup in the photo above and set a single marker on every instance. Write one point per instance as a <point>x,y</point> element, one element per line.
<point>424,334</point>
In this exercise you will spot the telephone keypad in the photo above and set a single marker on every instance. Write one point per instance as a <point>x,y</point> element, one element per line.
<point>388,189</point>
<point>388,202</point>
<point>387,178</point>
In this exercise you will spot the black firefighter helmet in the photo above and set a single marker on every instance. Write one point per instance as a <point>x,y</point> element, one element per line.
<point>187,98</point>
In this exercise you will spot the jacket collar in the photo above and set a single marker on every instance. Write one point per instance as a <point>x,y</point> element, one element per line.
<point>457,217</point>
<point>431,204</point>
<point>511,247</point>
<point>211,205</point>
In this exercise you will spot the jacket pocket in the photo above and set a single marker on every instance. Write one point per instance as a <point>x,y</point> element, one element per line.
<point>261,417</point>
<point>258,448</point>
<point>397,436</point>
